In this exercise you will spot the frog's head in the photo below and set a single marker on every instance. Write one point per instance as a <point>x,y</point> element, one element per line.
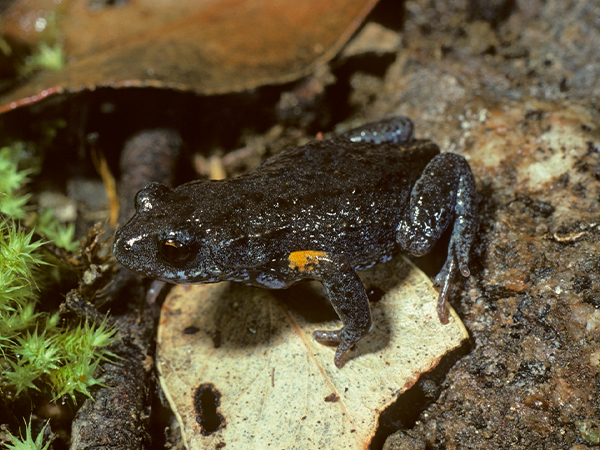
<point>163,241</point>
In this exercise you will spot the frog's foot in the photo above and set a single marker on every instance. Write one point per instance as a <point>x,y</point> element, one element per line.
<point>444,279</point>
<point>333,336</point>
<point>345,339</point>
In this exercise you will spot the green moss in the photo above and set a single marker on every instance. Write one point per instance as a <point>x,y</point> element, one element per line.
<point>12,203</point>
<point>37,351</point>
<point>13,199</point>
<point>62,235</point>
<point>45,57</point>
<point>27,442</point>
<point>47,53</point>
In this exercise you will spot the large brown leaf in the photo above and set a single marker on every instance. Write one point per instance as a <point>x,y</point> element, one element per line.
<point>206,46</point>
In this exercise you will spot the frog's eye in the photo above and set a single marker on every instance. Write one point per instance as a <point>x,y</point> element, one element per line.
<point>174,251</point>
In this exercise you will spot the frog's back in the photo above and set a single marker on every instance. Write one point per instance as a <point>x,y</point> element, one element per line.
<point>336,196</point>
<point>348,163</point>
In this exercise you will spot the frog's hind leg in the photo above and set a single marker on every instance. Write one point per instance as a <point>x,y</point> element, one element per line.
<point>445,192</point>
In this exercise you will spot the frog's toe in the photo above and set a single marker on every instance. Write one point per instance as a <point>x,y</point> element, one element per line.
<point>327,335</point>
<point>444,281</point>
<point>341,351</point>
<point>454,263</point>
<point>335,336</point>
<point>440,277</point>
<point>460,251</point>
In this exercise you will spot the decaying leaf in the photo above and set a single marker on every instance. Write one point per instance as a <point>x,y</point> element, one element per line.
<point>239,365</point>
<point>208,46</point>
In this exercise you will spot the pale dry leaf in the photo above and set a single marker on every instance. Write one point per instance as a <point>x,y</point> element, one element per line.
<point>254,347</point>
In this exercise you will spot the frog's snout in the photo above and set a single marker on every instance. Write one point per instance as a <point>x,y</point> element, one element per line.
<point>124,247</point>
<point>120,247</point>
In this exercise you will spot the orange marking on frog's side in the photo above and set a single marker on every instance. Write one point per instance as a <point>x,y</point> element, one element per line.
<point>305,260</point>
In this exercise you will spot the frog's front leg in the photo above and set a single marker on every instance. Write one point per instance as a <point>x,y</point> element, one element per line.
<point>346,294</point>
<point>445,192</point>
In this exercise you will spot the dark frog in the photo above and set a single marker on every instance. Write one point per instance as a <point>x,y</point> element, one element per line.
<point>321,211</point>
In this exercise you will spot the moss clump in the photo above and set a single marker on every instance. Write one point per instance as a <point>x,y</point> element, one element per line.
<point>47,53</point>
<point>37,350</point>
<point>45,57</point>
<point>26,442</point>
